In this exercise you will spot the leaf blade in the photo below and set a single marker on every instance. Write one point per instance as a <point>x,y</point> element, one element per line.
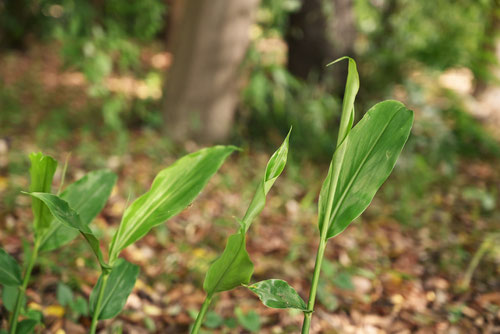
<point>87,196</point>
<point>42,170</point>
<point>276,293</point>
<point>173,189</point>
<point>234,266</point>
<point>120,284</point>
<point>10,272</point>
<point>371,151</point>
<point>231,269</point>
<point>61,211</point>
<point>274,168</point>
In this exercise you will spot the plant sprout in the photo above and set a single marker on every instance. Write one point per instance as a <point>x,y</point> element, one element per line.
<point>364,158</point>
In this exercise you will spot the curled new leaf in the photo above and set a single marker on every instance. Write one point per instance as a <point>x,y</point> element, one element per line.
<point>87,196</point>
<point>351,90</point>
<point>61,211</point>
<point>120,283</point>
<point>173,189</point>
<point>42,172</point>
<point>234,266</point>
<point>277,293</point>
<point>371,150</point>
<point>274,169</point>
<point>10,273</point>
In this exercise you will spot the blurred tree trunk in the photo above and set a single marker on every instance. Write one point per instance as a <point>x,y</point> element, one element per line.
<point>208,43</point>
<point>321,31</point>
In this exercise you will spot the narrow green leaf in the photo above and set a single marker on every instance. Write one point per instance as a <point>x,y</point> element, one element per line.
<point>120,283</point>
<point>231,269</point>
<point>42,172</point>
<point>351,90</point>
<point>274,168</point>
<point>87,196</point>
<point>173,189</point>
<point>234,266</point>
<point>10,272</point>
<point>371,150</point>
<point>277,293</point>
<point>61,211</point>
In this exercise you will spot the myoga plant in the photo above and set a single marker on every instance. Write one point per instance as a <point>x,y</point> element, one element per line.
<point>364,158</point>
<point>88,195</point>
<point>234,267</point>
<point>173,189</point>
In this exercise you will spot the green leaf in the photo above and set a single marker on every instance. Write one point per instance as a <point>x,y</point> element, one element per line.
<point>33,314</point>
<point>343,280</point>
<point>231,269</point>
<point>120,283</point>
<point>64,294</point>
<point>274,169</point>
<point>10,272</point>
<point>61,211</point>
<point>213,320</point>
<point>371,150</point>
<point>234,266</point>
<point>9,296</point>
<point>249,321</point>
<point>26,326</point>
<point>87,196</point>
<point>173,189</point>
<point>277,293</point>
<point>351,90</point>
<point>42,172</point>
<point>80,306</point>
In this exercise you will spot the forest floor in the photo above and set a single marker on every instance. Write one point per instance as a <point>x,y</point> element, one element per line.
<point>403,267</point>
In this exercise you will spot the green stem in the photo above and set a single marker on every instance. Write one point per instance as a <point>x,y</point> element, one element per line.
<point>97,311</point>
<point>22,289</point>
<point>201,315</point>
<point>314,286</point>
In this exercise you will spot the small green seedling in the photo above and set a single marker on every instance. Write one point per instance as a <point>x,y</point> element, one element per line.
<point>364,158</point>
<point>234,267</point>
<point>89,195</point>
<point>173,189</point>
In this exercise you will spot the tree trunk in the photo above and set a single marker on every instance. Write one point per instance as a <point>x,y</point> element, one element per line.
<point>208,45</point>
<point>321,31</point>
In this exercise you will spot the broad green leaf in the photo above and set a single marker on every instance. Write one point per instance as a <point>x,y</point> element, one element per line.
<point>80,306</point>
<point>61,211</point>
<point>371,150</point>
<point>87,196</point>
<point>64,294</point>
<point>250,321</point>
<point>42,172</point>
<point>231,269</point>
<point>173,189</point>
<point>10,272</point>
<point>213,320</point>
<point>26,326</point>
<point>119,285</point>
<point>277,293</point>
<point>351,90</point>
<point>274,169</point>
<point>9,296</point>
